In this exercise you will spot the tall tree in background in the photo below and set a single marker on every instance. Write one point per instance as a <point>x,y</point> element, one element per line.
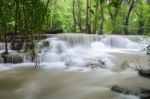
<point>79,15</point>
<point>95,16</point>
<point>114,7</point>
<point>101,16</point>
<point>74,15</point>
<point>140,14</point>
<point>132,4</point>
<point>88,12</point>
<point>5,19</point>
<point>36,13</point>
<point>17,4</point>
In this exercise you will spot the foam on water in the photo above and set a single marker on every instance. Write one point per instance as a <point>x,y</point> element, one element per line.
<point>94,51</point>
<point>77,67</point>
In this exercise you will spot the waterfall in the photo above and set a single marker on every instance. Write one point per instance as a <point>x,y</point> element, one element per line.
<point>2,46</point>
<point>112,41</point>
<point>83,39</point>
<point>76,66</point>
<point>89,50</point>
<point>85,50</point>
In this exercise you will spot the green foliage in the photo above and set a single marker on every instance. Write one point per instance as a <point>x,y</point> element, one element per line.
<point>34,16</point>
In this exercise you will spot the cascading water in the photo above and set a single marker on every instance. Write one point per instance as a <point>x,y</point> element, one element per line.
<point>78,66</point>
<point>82,50</point>
<point>2,46</point>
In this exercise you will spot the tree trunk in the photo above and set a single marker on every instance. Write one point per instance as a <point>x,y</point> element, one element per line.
<point>88,17</point>
<point>114,14</point>
<point>79,15</point>
<point>140,27</point>
<point>16,16</point>
<point>5,30</point>
<point>14,34</point>
<point>102,19</point>
<point>133,4</point>
<point>74,16</point>
<point>127,20</point>
<point>141,22</point>
<point>95,18</point>
<point>33,47</point>
<point>4,54</point>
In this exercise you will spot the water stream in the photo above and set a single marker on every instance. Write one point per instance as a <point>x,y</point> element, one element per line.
<point>77,66</point>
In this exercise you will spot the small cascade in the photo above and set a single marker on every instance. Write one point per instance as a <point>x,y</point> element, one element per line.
<point>13,57</point>
<point>79,39</point>
<point>112,41</point>
<point>77,66</point>
<point>83,50</point>
<point>2,46</point>
<point>120,42</point>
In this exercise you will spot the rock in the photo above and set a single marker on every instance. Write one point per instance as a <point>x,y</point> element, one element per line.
<point>45,43</point>
<point>17,46</point>
<point>39,36</point>
<point>124,91</point>
<point>4,56</point>
<point>95,63</point>
<point>54,31</point>
<point>143,93</point>
<point>148,50</point>
<point>144,73</point>
<point>146,93</point>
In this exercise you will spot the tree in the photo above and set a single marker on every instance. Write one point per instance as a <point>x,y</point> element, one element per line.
<point>114,6</point>
<point>132,4</point>
<point>88,27</point>
<point>95,16</point>
<point>74,15</point>
<point>102,16</point>
<point>5,19</point>
<point>79,17</point>
<point>140,14</point>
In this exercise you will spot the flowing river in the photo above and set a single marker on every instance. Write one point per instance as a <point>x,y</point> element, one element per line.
<point>77,66</point>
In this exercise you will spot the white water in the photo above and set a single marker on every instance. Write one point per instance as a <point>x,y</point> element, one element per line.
<point>92,51</point>
<point>79,67</point>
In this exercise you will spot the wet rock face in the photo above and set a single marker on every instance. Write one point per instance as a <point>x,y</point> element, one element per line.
<point>45,43</point>
<point>124,91</point>
<point>17,46</point>
<point>40,36</point>
<point>144,73</point>
<point>54,31</point>
<point>11,58</point>
<point>97,63</point>
<point>143,93</point>
<point>147,49</point>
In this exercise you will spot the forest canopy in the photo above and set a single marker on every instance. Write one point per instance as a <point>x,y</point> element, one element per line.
<point>89,16</point>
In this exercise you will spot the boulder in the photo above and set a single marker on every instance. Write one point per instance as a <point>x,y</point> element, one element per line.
<point>144,73</point>
<point>45,43</point>
<point>143,93</point>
